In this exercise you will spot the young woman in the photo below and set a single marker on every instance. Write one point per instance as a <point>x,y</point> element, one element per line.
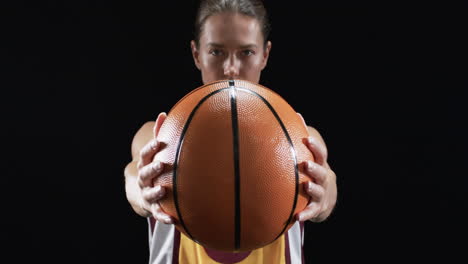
<point>231,42</point>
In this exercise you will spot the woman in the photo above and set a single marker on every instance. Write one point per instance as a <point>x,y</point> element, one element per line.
<point>231,42</point>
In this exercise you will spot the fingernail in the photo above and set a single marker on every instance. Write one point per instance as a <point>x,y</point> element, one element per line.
<point>157,188</point>
<point>299,217</point>
<point>161,191</point>
<point>154,144</point>
<point>157,166</point>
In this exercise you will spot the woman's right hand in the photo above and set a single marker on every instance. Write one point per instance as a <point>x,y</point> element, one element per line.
<point>148,170</point>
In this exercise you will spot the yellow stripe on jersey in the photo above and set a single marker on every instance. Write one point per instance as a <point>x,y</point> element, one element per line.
<point>193,253</point>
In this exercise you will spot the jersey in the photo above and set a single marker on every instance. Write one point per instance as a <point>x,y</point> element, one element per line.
<point>167,245</point>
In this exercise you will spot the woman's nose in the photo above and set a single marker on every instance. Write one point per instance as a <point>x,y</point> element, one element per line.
<point>231,68</point>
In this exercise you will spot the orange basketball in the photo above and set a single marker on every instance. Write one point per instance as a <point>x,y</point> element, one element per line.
<point>233,151</point>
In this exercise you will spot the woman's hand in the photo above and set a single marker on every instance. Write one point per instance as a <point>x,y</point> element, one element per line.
<point>148,170</point>
<point>322,189</point>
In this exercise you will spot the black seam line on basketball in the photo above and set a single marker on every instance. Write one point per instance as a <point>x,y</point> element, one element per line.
<point>193,91</point>
<point>235,137</point>
<point>176,161</point>
<point>293,153</point>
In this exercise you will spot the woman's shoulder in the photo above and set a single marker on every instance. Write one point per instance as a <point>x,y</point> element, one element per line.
<point>148,125</point>
<point>143,135</point>
<point>146,130</point>
<point>314,133</point>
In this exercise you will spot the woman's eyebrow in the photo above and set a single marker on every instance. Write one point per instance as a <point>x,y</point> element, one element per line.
<point>217,45</point>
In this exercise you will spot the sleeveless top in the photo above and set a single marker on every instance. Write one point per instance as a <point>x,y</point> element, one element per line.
<point>169,246</point>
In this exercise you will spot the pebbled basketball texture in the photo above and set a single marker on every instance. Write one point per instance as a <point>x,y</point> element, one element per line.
<point>233,153</point>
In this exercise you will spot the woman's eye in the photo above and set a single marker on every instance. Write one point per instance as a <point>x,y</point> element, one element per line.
<point>216,52</point>
<point>248,52</point>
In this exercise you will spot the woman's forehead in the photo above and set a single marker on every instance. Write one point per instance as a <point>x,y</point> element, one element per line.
<point>231,28</point>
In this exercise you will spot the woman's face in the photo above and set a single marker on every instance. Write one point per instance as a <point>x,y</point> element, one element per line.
<point>231,47</point>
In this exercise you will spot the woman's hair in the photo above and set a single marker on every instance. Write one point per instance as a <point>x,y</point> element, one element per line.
<point>251,8</point>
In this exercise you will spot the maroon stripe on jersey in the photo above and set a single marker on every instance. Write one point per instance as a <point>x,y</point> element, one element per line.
<point>302,249</point>
<point>226,257</point>
<point>176,248</point>
<point>152,224</point>
<point>286,250</point>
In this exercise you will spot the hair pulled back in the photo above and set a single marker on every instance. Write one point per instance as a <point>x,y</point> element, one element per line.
<point>251,8</point>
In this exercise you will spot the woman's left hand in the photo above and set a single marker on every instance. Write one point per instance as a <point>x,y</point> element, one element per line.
<point>322,188</point>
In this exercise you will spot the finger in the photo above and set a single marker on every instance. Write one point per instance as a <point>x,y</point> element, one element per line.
<point>318,149</point>
<point>315,191</point>
<point>147,153</point>
<point>159,214</point>
<point>159,121</point>
<point>311,211</point>
<point>145,206</point>
<point>148,173</point>
<point>314,170</point>
<point>303,121</point>
<point>152,195</point>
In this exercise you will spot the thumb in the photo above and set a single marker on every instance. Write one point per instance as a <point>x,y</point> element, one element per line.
<point>302,118</point>
<point>159,121</point>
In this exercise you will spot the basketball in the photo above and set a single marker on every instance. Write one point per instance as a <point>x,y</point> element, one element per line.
<point>233,153</point>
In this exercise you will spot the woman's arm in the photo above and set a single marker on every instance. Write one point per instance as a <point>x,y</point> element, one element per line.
<point>142,170</point>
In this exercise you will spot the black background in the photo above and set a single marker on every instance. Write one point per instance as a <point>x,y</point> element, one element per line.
<point>384,83</point>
